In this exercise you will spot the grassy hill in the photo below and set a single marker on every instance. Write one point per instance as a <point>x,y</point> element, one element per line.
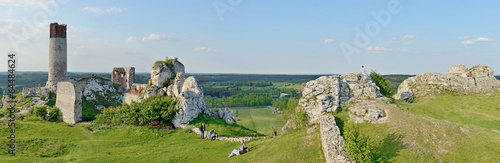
<point>442,128</point>
<point>59,142</point>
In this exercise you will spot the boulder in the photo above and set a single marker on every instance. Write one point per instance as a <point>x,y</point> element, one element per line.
<point>407,97</point>
<point>366,111</point>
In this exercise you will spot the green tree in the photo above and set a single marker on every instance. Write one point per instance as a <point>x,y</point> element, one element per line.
<point>385,85</point>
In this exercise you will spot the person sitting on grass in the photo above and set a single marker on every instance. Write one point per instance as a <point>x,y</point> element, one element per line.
<point>213,135</point>
<point>243,149</point>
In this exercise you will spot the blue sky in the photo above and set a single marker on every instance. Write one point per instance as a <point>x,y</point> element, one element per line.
<point>265,37</point>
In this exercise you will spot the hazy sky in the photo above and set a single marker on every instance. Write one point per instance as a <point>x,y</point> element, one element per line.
<point>256,36</point>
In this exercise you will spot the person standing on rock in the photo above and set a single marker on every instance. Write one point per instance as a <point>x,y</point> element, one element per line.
<point>243,149</point>
<point>363,71</point>
<point>202,129</point>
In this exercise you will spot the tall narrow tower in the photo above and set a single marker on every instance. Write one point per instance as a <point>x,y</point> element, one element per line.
<point>57,55</point>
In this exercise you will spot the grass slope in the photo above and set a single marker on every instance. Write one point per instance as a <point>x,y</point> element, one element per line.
<point>439,129</point>
<point>59,142</point>
<point>260,119</point>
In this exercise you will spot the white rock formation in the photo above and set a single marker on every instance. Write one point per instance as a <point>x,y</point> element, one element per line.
<point>456,80</point>
<point>163,72</point>
<point>191,102</point>
<point>367,112</point>
<point>327,93</point>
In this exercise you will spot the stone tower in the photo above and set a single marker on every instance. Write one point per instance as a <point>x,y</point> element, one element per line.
<point>57,55</point>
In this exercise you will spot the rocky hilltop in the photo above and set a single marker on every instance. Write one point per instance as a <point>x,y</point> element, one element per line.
<point>168,79</point>
<point>457,79</point>
<point>328,94</point>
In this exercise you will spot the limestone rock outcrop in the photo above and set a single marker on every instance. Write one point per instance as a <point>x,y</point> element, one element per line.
<point>226,115</point>
<point>164,72</point>
<point>36,92</point>
<point>190,100</point>
<point>367,111</point>
<point>327,93</point>
<point>456,80</point>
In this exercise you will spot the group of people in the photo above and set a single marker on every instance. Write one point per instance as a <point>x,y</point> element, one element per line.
<point>212,135</point>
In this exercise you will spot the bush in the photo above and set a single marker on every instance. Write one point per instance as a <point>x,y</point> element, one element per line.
<point>151,111</point>
<point>38,111</point>
<point>54,114</point>
<point>385,85</point>
<point>357,145</point>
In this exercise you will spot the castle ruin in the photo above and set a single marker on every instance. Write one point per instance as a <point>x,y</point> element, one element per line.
<point>58,55</point>
<point>125,76</point>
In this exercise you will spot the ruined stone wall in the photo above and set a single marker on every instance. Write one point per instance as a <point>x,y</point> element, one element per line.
<point>57,55</point>
<point>125,76</point>
<point>69,101</point>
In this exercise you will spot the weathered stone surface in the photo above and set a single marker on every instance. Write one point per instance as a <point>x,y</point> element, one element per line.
<point>58,50</point>
<point>161,73</point>
<point>320,96</point>
<point>97,88</point>
<point>226,115</point>
<point>69,101</point>
<point>456,80</point>
<point>407,97</point>
<point>191,102</point>
<point>366,111</point>
<point>36,92</point>
<point>326,93</point>
<point>332,141</point>
<point>125,76</point>
<point>357,86</point>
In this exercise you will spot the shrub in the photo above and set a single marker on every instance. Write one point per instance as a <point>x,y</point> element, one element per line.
<point>153,110</point>
<point>385,85</point>
<point>38,111</point>
<point>301,117</point>
<point>357,145</point>
<point>54,114</point>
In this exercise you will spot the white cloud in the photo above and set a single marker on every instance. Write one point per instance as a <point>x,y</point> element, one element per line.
<point>406,37</point>
<point>199,49</point>
<point>474,41</point>
<point>376,49</point>
<point>205,49</point>
<point>483,39</point>
<point>405,50</point>
<point>96,10</point>
<point>468,42</point>
<point>327,41</point>
<point>463,37</point>
<point>130,39</point>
